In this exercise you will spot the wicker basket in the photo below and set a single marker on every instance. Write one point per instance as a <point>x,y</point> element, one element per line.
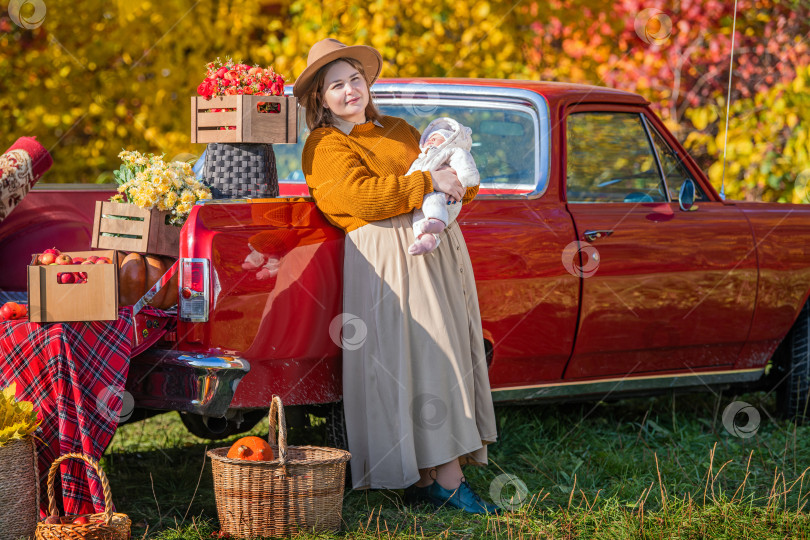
<point>19,489</point>
<point>301,490</point>
<point>241,171</point>
<point>104,526</point>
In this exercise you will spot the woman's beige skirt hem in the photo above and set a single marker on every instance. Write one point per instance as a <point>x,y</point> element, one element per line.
<point>415,386</point>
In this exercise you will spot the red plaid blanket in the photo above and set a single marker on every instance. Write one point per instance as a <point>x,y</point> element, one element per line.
<point>74,373</point>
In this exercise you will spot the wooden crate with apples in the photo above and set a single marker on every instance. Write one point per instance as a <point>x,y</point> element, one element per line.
<point>244,119</point>
<point>126,227</point>
<point>73,286</point>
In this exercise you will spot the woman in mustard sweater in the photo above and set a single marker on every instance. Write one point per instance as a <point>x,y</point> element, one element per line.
<point>416,392</point>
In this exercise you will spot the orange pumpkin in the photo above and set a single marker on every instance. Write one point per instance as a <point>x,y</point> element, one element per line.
<point>138,273</point>
<point>251,449</point>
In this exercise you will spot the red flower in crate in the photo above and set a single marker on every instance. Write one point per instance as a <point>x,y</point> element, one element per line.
<point>231,78</point>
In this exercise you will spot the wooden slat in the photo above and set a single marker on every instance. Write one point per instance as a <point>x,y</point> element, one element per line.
<point>36,306</point>
<point>218,136</point>
<point>292,120</point>
<point>193,119</point>
<point>124,244</point>
<point>216,119</point>
<point>96,222</point>
<point>123,209</point>
<point>122,226</point>
<point>219,102</point>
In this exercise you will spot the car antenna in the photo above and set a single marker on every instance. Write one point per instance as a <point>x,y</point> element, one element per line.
<point>728,104</point>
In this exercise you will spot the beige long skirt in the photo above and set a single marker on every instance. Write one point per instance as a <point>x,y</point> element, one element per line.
<point>415,387</point>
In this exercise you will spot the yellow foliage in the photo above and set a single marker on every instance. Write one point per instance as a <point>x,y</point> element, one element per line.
<point>98,76</point>
<point>17,418</point>
<point>121,73</point>
<point>766,155</point>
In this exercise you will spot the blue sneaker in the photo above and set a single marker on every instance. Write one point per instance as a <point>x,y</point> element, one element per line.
<point>463,498</point>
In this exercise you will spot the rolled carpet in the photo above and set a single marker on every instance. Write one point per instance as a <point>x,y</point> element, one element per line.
<point>20,168</point>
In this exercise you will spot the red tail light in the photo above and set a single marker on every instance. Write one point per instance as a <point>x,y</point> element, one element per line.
<point>194,288</point>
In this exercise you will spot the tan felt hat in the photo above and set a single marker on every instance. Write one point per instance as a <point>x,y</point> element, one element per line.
<point>330,49</point>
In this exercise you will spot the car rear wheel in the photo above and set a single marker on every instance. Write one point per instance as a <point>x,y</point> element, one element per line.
<point>793,370</point>
<point>206,427</point>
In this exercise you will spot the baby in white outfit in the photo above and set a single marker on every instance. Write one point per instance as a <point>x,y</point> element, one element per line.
<point>444,142</point>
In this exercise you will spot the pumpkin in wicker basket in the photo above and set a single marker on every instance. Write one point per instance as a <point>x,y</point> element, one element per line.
<point>301,490</point>
<point>251,448</point>
<point>104,526</point>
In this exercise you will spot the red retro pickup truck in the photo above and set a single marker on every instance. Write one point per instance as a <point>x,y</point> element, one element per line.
<point>606,265</point>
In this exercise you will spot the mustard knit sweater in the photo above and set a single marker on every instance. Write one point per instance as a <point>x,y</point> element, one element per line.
<point>358,178</point>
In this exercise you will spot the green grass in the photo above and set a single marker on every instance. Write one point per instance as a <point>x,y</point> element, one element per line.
<point>636,468</point>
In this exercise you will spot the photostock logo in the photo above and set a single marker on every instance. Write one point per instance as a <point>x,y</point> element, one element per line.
<point>28,14</point>
<point>733,419</point>
<point>420,99</point>
<point>580,259</point>
<point>653,26</point>
<point>508,491</point>
<point>428,411</point>
<point>354,338</point>
<point>185,157</point>
<point>106,401</point>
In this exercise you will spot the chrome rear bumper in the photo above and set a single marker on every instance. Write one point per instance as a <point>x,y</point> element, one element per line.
<point>180,381</point>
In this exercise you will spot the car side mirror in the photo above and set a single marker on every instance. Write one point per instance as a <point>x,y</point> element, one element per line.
<point>686,197</point>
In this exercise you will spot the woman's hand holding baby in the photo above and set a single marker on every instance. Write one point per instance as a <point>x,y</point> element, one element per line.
<point>446,181</point>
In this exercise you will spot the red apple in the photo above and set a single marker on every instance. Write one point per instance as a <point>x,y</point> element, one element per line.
<point>10,310</point>
<point>92,258</point>
<point>103,260</point>
<point>53,520</point>
<point>53,251</point>
<point>88,261</point>
<point>81,520</point>
<point>47,258</point>
<point>78,260</point>
<point>66,277</point>
<point>64,258</point>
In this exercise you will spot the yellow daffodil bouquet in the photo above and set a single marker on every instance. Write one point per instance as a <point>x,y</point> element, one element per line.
<point>18,419</point>
<point>147,181</point>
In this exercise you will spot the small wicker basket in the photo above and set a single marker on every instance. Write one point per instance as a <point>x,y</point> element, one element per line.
<point>241,171</point>
<point>104,526</point>
<point>300,491</point>
<point>19,489</point>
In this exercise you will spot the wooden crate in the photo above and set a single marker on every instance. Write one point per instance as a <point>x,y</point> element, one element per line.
<point>251,126</point>
<point>95,300</point>
<point>147,233</point>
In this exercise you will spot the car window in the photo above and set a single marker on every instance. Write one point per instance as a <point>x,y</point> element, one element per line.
<point>610,159</point>
<point>674,171</point>
<point>503,143</point>
<point>288,156</point>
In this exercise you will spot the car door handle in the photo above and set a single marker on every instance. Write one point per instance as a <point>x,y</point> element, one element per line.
<point>595,234</point>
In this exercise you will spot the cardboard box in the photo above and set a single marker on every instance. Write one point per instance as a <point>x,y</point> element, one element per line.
<point>145,231</point>
<point>252,126</point>
<point>96,300</point>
